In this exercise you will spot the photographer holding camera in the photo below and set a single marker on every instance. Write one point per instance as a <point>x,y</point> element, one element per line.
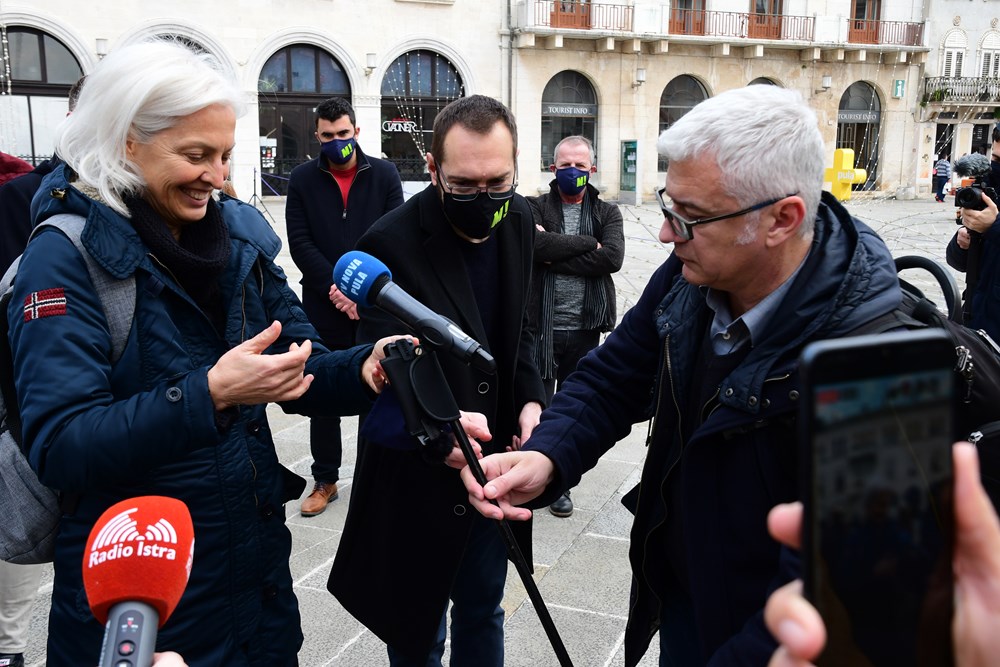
<point>975,248</point>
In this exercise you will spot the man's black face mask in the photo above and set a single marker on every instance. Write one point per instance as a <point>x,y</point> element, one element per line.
<point>476,218</point>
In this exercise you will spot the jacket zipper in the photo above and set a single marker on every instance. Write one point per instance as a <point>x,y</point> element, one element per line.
<point>343,216</point>
<point>989,429</point>
<point>164,267</point>
<point>667,367</point>
<point>242,337</point>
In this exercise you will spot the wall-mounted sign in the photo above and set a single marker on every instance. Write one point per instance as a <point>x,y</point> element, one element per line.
<point>399,125</point>
<point>898,88</point>
<point>569,109</point>
<point>858,116</point>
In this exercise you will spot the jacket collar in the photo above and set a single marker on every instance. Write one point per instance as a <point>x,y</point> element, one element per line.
<point>847,279</point>
<point>110,238</point>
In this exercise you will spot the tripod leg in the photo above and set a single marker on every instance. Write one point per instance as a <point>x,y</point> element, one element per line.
<point>514,551</point>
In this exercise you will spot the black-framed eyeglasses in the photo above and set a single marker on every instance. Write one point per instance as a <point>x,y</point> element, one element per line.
<point>470,192</point>
<point>684,228</point>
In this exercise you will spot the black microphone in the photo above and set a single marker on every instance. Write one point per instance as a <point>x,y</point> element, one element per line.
<point>367,282</point>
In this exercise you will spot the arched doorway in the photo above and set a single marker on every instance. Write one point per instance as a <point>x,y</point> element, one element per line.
<point>416,86</point>
<point>859,120</point>
<point>292,82</point>
<point>679,96</point>
<point>569,107</point>
<point>41,71</point>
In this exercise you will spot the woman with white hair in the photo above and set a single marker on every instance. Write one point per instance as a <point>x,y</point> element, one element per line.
<point>216,334</point>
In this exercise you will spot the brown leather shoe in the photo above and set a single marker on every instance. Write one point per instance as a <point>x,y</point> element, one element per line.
<point>323,494</point>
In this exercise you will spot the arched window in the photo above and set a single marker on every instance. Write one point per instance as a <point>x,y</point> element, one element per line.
<point>859,120</point>
<point>953,53</point>
<point>416,86</point>
<point>762,80</point>
<point>680,95</point>
<point>569,107</point>
<point>292,82</point>
<point>42,70</point>
<point>989,59</point>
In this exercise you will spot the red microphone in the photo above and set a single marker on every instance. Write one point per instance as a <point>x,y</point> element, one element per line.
<point>135,567</point>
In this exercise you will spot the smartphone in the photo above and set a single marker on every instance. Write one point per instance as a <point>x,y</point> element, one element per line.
<point>876,430</point>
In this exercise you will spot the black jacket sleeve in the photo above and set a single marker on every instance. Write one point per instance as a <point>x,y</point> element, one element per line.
<point>957,257</point>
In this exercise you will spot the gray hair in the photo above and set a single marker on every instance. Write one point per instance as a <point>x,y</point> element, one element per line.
<point>765,141</point>
<point>575,139</point>
<point>136,92</point>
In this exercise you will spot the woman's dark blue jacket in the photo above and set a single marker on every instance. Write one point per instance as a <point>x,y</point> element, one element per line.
<point>147,426</point>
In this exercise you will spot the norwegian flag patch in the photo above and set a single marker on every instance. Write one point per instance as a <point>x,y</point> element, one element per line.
<point>45,303</point>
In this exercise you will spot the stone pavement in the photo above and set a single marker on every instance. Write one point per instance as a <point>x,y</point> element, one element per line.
<point>581,562</point>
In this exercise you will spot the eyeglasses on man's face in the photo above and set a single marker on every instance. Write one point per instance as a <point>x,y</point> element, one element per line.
<point>470,192</point>
<point>683,228</point>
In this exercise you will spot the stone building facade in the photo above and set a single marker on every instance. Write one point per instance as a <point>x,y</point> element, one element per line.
<point>618,71</point>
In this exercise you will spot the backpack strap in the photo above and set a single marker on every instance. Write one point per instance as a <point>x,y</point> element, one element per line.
<point>117,300</point>
<point>117,296</point>
<point>913,312</point>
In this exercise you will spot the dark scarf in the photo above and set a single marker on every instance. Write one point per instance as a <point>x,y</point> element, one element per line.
<point>197,261</point>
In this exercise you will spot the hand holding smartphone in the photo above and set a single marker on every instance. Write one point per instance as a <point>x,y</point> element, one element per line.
<point>876,432</point>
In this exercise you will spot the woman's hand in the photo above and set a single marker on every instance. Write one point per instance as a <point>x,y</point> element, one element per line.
<point>371,369</point>
<point>246,376</point>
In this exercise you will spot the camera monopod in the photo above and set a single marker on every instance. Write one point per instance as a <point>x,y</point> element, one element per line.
<point>430,410</point>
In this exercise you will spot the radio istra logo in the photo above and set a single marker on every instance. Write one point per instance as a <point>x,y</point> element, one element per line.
<point>120,538</point>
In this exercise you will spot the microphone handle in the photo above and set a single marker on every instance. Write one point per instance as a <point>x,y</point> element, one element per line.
<point>130,635</point>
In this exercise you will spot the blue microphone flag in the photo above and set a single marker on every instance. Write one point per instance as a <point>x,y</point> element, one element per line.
<point>355,274</point>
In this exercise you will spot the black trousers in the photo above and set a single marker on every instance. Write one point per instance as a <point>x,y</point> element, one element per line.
<point>568,348</point>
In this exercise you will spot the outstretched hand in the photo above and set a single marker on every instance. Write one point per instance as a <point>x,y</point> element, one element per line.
<point>513,478</point>
<point>246,376</point>
<point>371,370</point>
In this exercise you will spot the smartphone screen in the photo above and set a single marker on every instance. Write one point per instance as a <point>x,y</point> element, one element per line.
<point>877,533</point>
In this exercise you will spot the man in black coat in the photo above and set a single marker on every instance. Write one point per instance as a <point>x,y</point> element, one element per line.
<point>332,200</point>
<point>463,247</point>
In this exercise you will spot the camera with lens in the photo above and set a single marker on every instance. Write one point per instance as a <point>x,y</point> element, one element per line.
<point>971,197</point>
<point>977,167</point>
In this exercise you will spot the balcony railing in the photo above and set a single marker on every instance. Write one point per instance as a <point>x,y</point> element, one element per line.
<point>895,33</point>
<point>669,19</point>
<point>583,15</point>
<point>959,89</point>
<point>739,24</point>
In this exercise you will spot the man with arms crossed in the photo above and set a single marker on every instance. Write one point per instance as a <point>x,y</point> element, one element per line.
<point>578,245</point>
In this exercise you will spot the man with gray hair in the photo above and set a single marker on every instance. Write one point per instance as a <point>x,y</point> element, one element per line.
<point>578,245</point>
<point>763,263</point>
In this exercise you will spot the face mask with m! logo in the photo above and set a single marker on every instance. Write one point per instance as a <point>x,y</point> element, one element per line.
<point>476,218</point>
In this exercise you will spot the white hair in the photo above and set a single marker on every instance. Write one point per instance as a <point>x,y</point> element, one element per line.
<point>765,141</point>
<point>136,92</point>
